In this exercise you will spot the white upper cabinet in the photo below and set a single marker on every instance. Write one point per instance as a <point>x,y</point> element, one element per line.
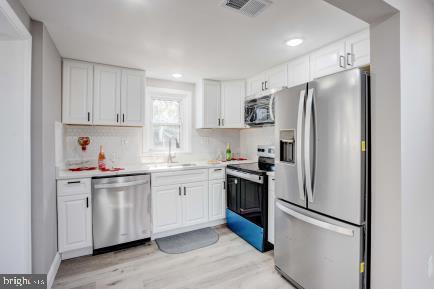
<point>221,104</point>
<point>232,104</point>
<point>107,95</point>
<point>102,94</point>
<point>328,60</point>
<point>133,98</point>
<point>298,71</point>
<point>211,103</point>
<point>276,77</point>
<point>77,90</point>
<point>255,84</point>
<point>358,50</point>
<point>348,53</point>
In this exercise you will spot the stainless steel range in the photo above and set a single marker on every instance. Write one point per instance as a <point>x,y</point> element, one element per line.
<point>247,199</point>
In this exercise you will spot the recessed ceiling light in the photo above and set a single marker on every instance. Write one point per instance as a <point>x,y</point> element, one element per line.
<point>294,42</point>
<point>177,75</point>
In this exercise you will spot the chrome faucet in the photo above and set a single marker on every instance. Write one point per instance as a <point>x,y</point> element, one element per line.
<point>171,157</point>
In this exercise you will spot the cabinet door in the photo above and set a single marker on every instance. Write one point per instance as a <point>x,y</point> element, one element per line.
<point>166,208</point>
<point>212,102</point>
<point>277,77</point>
<point>74,222</point>
<point>358,50</point>
<point>107,95</point>
<point>217,199</point>
<point>133,98</point>
<point>233,96</point>
<point>255,84</point>
<point>77,92</point>
<point>298,71</point>
<point>328,60</point>
<point>195,203</point>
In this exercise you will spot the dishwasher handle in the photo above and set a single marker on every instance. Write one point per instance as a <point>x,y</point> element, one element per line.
<point>121,185</point>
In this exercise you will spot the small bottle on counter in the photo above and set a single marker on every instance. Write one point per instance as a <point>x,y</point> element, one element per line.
<point>228,153</point>
<point>101,160</point>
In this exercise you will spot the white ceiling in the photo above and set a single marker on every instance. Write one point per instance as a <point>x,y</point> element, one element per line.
<point>197,38</point>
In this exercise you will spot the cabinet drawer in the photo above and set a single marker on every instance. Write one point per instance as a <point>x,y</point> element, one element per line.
<point>73,187</point>
<point>179,177</point>
<point>217,173</point>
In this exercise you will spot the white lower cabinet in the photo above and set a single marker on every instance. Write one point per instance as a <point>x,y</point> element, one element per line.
<point>74,215</point>
<point>187,199</point>
<point>166,207</point>
<point>195,203</point>
<point>217,199</point>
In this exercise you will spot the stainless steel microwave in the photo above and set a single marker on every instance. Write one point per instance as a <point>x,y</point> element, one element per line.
<point>259,111</point>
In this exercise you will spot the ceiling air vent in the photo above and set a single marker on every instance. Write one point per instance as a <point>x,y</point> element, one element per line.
<point>247,7</point>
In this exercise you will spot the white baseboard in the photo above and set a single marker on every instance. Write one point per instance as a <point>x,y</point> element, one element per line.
<point>53,270</point>
<point>77,253</point>
<point>187,229</point>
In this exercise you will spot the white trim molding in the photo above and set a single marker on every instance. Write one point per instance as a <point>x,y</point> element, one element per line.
<point>53,271</point>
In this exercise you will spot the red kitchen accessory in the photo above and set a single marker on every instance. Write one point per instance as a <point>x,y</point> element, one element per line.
<point>83,141</point>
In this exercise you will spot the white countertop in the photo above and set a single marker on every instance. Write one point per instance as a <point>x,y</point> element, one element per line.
<point>64,174</point>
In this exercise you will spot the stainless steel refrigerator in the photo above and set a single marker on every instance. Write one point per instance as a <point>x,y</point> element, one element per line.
<point>322,182</point>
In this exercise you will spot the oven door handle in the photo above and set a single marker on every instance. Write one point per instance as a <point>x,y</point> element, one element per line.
<point>246,176</point>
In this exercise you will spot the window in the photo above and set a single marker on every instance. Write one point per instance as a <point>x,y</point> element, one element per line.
<point>168,119</point>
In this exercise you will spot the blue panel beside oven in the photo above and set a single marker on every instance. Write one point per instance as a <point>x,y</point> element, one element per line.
<point>247,230</point>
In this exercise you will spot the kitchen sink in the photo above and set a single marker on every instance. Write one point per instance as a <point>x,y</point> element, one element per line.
<point>171,165</point>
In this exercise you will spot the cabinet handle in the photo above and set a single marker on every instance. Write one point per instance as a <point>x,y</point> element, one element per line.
<point>185,191</point>
<point>87,202</point>
<point>266,82</point>
<point>117,117</point>
<point>217,170</point>
<point>179,190</point>
<point>219,121</point>
<point>123,117</point>
<point>223,122</point>
<point>74,182</point>
<point>349,59</point>
<point>224,185</point>
<point>262,86</point>
<point>88,116</point>
<point>342,60</point>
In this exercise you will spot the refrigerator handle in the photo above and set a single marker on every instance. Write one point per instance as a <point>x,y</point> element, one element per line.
<point>307,145</point>
<point>299,146</point>
<point>315,222</point>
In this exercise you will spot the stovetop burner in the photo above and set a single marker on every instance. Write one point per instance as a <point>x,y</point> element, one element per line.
<point>263,166</point>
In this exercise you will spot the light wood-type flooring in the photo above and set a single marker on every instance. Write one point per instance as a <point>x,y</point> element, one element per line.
<point>230,263</point>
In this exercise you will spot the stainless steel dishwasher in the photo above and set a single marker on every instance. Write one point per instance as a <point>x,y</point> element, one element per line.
<point>121,211</point>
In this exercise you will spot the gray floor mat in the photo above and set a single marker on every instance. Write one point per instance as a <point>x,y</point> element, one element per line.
<point>189,241</point>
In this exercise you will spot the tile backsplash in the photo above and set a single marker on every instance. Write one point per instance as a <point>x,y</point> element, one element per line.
<point>123,145</point>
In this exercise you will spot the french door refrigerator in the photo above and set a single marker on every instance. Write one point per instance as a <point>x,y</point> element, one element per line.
<point>322,182</point>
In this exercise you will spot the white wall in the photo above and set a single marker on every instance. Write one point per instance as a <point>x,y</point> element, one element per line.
<point>417,203</point>
<point>46,107</point>
<point>252,137</point>
<point>386,155</point>
<point>15,224</point>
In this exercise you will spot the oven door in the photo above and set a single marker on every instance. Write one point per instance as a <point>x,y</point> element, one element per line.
<point>245,195</point>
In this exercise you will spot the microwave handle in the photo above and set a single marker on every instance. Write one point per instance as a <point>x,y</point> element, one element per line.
<point>272,107</point>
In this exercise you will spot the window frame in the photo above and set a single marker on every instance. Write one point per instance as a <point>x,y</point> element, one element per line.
<point>184,98</point>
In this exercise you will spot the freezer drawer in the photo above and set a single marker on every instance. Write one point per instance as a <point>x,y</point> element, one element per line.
<point>315,251</point>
